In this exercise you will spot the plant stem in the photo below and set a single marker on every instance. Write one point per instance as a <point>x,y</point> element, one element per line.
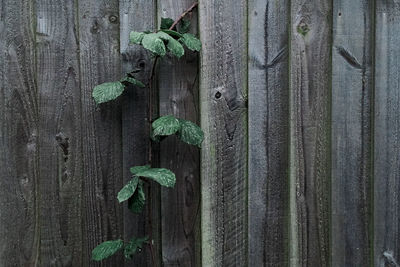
<point>150,120</point>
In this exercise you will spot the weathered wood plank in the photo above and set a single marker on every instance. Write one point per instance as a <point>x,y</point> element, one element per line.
<point>268,132</point>
<point>310,132</point>
<point>101,127</point>
<point>138,15</point>
<point>223,98</point>
<point>59,99</point>
<point>352,60</point>
<point>19,168</point>
<point>178,85</point>
<point>387,135</point>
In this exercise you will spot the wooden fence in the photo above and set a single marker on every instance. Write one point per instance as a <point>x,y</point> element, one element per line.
<point>299,101</point>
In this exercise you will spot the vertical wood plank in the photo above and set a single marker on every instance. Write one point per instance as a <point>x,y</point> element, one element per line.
<point>138,15</point>
<point>60,141</point>
<point>101,127</point>
<point>310,132</point>
<point>223,98</point>
<point>351,132</point>
<point>268,132</point>
<point>178,85</point>
<point>387,135</point>
<point>19,168</point>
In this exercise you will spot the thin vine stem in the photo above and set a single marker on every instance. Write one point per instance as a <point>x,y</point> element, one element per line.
<point>150,120</point>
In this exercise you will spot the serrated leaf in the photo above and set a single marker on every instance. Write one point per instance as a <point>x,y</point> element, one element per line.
<point>165,125</point>
<point>133,246</point>
<point>173,33</point>
<point>191,42</point>
<point>184,26</point>
<point>176,48</point>
<point>135,170</point>
<point>132,81</point>
<point>106,249</point>
<point>162,176</point>
<point>137,201</point>
<point>107,91</point>
<point>190,133</point>
<point>153,43</point>
<point>136,37</point>
<point>128,190</point>
<point>166,23</point>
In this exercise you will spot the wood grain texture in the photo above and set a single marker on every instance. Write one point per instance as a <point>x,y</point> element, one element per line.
<point>60,140</point>
<point>178,87</point>
<point>387,135</point>
<point>19,166</point>
<point>101,127</point>
<point>137,15</point>
<point>352,85</point>
<point>268,132</point>
<point>310,132</point>
<point>223,101</point>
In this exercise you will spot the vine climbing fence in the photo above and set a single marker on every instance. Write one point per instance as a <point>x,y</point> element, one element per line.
<point>299,102</point>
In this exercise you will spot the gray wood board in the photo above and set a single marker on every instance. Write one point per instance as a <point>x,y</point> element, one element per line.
<point>223,105</point>
<point>268,132</point>
<point>310,132</point>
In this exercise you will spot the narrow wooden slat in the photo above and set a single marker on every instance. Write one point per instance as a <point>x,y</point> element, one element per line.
<point>138,15</point>
<point>101,127</point>
<point>387,135</point>
<point>178,85</point>
<point>310,132</point>
<point>268,132</point>
<point>19,170</point>
<point>351,131</point>
<point>59,99</point>
<point>223,98</point>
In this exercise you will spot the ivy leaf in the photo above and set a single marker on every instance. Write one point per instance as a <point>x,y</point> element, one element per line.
<point>107,91</point>
<point>106,249</point>
<point>191,42</point>
<point>128,190</point>
<point>166,23</point>
<point>136,37</point>
<point>135,170</point>
<point>176,48</point>
<point>153,43</point>
<point>164,36</point>
<point>184,26</point>
<point>134,245</point>
<point>165,125</point>
<point>133,81</point>
<point>137,201</point>
<point>173,33</point>
<point>190,133</point>
<point>162,176</point>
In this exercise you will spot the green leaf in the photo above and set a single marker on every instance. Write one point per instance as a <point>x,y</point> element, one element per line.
<point>164,36</point>
<point>166,23</point>
<point>128,190</point>
<point>106,249</point>
<point>165,125</point>
<point>107,91</point>
<point>176,48</point>
<point>191,42</point>
<point>136,37</point>
<point>173,33</point>
<point>162,176</point>
<point>190,133</point>
<point>135,170</point>
<point>184,26</point>
<point>137,201</point>
<point>153,43</point>
<point>132,81</point>
<point>134,245</point>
